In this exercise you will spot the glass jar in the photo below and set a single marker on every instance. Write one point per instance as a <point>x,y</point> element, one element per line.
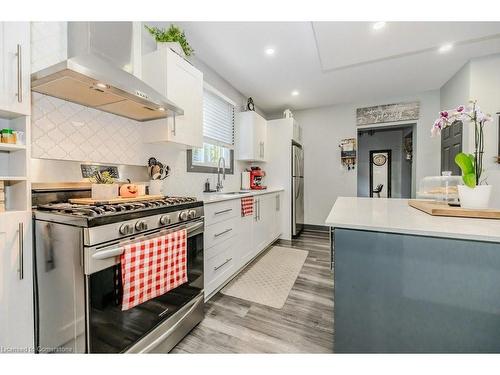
<point>8,136</point>
<point>441,188</point>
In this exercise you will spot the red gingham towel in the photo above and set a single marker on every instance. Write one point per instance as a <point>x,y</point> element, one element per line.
<point>153,267</point>
<point>246,206</point>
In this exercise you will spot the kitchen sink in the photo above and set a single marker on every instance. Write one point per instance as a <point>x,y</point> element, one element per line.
<point>232,192</point>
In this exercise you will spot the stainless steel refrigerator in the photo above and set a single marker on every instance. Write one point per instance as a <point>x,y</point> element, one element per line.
<point>297,189</point>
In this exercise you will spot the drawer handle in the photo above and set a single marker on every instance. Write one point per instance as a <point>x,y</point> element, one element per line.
<point>223,211</point>
<point>223,264</point>
<point>224,232</point>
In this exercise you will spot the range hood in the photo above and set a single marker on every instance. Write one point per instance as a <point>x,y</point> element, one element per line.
<point>94,74</point>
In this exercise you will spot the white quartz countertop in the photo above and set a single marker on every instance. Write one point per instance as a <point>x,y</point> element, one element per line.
<point>395,216</point>
<point>208,198</point>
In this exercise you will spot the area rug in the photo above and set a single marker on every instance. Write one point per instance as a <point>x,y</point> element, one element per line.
<point>269,280</point>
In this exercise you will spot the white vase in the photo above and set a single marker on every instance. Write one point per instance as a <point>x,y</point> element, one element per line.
<point>174,46</point>
<point>475,198</point>
<point>104,191</point>
<point>155,187</point>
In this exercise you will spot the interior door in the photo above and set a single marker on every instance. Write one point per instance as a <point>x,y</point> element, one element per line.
<point>451,145</point>
<point>380,174</point>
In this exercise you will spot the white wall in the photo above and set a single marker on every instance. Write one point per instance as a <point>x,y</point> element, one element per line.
<point>479,80</point>
<point>323,128</point>
<point>485,88</point>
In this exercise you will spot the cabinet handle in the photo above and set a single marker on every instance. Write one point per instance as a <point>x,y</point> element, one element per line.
<point>263,150</point>
<point>255,205</point>
<point>224,232</point>
<point>223,211</point>
<point>223,264</point>
<point>19,74</point>
<point>174,129</point>
<point>277,203</point>
<point>21,251</point>
<point>258,209</point>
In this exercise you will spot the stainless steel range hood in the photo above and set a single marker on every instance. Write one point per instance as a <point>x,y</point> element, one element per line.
<point>93,74</point>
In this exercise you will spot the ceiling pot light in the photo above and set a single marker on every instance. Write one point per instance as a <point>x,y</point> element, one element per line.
<point>379,25</point>
<point>295,93</point>
<point>269,51</point>
<point>445,47</point>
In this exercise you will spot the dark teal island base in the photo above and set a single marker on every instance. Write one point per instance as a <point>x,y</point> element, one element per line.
<point>398,293</point>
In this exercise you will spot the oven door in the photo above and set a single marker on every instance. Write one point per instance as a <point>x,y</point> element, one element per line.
<point>111,330</point>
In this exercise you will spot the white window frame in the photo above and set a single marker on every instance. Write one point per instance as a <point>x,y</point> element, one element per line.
<point>210,167</point>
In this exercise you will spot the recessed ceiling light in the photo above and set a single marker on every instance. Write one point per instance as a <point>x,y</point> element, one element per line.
<point>379,25</point>
<point>445,47</point>
<point>161,109</point>
<point>269,51</point>
<point>295,92</point>
<point>101,85</point>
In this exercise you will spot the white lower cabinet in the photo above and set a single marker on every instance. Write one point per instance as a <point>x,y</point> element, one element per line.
<point>232,241</point>
<point>16,282</point>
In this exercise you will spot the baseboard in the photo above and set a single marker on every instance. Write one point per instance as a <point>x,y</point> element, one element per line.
<point>317,228</point>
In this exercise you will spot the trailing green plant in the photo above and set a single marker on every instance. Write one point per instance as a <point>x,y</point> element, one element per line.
<point>102,178</point>
<point>172,34</point>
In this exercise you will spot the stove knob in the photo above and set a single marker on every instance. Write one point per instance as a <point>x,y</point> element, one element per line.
<point>183,216</point>
<point>126,229</point>
<point>141,225</point>
<point>192,214</point>
<point>165,219</point>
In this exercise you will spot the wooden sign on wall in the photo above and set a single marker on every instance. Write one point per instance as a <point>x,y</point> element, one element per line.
<point>387,113</point>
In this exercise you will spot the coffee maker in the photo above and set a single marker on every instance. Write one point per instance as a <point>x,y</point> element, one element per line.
<point>257,178</point>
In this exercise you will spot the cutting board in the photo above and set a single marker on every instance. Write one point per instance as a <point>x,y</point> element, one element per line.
<point>436,208</point>
<point>90,201</point>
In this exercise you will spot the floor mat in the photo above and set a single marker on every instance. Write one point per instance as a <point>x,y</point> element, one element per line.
<point>269,280</point>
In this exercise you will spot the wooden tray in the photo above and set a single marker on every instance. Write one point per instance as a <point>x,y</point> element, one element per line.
<point>90,201</point>
<point>436,208</point>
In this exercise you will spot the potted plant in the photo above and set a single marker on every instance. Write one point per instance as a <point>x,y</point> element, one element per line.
<point>475,193</point>
<point>173,38</point>
<point>103,186</point>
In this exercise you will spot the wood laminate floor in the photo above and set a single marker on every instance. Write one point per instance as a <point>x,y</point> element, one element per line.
<point>303,325</point>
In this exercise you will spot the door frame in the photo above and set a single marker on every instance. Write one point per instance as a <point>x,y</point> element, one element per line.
<point>389,172</point>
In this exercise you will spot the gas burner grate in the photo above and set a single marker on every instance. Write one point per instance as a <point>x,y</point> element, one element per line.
<point>114,208</point>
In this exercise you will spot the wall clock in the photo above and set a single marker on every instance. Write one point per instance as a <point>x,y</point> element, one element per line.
<point>379,160</point>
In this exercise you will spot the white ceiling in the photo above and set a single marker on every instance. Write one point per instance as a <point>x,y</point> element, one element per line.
<point>337,62</point>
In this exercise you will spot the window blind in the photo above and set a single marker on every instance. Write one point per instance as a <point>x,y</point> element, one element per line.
<point>218,119</point>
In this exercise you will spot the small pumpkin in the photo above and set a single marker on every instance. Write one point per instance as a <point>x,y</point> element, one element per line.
<point>129,191</point>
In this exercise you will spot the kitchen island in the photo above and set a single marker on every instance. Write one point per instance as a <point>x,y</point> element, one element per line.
<point>408,282</point>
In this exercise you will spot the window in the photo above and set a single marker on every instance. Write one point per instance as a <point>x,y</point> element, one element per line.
<point>218,134</point>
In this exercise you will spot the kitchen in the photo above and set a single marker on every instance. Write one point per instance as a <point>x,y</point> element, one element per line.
<point>155,198</point>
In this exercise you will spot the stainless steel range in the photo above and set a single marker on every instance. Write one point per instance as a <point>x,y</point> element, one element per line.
<point>78,279</point>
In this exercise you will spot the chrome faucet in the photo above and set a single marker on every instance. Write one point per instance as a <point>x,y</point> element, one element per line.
<point>219,186</point>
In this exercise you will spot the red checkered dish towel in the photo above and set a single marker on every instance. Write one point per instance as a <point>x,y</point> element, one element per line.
<point>246,206</point>
<point>152,267</point>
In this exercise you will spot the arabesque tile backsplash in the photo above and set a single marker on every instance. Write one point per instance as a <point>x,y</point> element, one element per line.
<point>67,131</point>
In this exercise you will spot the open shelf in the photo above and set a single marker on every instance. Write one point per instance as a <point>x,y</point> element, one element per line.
<point>13,178</point>
<point>9,147</point>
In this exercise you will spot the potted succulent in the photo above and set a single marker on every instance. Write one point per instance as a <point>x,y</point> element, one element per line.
<point>173,38</point>
<point>475,193</point>
<point>103,186</point>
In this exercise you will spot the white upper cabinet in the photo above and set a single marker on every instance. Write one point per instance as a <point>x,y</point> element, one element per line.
<point>250,136</point>
<point>181,83</point>
<point>15,95</point>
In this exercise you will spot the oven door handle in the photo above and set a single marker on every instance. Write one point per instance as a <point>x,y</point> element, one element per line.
<point>117,251</point>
